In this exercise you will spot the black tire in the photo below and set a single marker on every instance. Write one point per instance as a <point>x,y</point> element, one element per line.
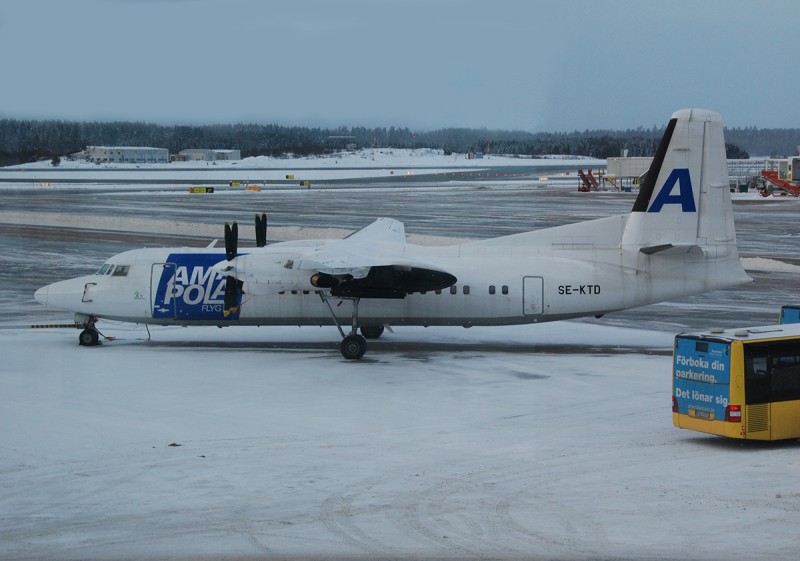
<point>353,347</point>
<point>88,338</point>
<point>372,331</point>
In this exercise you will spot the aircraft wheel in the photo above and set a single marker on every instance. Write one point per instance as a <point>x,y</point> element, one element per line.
<point>372,331</point>
<point>353,347</point>
<point>89,338</point>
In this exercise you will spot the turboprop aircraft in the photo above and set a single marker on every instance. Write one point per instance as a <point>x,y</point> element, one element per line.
<point>678,240</point>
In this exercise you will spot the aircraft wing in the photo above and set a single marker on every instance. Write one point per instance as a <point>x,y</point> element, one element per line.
<point>372,262</point>
<point>380,243</point>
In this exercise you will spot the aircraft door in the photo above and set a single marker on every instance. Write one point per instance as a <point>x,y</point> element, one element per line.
<point>162,289</point>
<point>532,296</point>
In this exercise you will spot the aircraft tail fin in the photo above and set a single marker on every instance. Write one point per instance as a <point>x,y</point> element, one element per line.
<point>684,200</point>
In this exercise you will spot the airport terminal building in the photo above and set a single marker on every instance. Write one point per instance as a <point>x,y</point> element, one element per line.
<point>127,154</point>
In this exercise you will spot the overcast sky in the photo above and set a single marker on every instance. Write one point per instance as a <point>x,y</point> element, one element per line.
<point>512,64</point>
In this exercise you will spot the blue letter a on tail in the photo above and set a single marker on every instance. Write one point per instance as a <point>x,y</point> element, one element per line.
<point>685,197</point>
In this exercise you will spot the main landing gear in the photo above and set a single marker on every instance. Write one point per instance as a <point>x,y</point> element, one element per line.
<point>353,345</point>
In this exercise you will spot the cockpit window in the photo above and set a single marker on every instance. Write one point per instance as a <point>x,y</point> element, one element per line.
<point>104,269</point>
<point>121,271</point>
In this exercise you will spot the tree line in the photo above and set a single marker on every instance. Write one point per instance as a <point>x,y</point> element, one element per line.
<point>24,141</point>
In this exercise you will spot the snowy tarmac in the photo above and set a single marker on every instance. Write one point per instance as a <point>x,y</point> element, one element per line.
<point>550,441</point>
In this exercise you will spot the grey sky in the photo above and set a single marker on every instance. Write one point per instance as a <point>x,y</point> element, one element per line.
<point>512,64</point>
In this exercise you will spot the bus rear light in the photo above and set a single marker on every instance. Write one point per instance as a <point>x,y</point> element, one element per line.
<point>674,404</point>
<point>733,413</point>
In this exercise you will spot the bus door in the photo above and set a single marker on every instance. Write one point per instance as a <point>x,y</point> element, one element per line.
<point>772,390</point>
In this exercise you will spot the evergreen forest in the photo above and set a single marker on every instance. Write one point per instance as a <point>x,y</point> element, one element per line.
<point>23,141</point>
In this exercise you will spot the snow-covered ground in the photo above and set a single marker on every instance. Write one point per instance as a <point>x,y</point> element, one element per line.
<point>494,443</point>
<point>364,158</point>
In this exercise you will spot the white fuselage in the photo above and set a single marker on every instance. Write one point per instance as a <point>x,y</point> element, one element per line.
<point>531,277</point>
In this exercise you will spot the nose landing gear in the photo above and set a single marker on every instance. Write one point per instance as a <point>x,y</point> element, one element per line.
<point>89,337</point>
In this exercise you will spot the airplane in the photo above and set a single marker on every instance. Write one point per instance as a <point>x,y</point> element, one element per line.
<point>678,240</point>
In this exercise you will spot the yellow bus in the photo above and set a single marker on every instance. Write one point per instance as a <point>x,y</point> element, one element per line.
<point>739,383</point>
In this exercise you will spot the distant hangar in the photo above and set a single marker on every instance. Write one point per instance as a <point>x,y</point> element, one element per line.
<point>206,155</point>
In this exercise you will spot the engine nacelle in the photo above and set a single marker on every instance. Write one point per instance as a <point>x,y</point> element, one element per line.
<point>324,280</point>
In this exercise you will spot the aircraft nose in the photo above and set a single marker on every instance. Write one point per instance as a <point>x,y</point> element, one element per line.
<point>64,295</point>
<point>41,295</point>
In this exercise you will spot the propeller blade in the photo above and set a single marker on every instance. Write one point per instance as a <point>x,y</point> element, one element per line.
<point>231,305</point>
<point>261,230</point>
<point>231,240</point>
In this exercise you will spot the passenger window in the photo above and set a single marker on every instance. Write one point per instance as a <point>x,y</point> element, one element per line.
<point>491,289</point>
<point>504,290</point>
<point>453,290</point>
<point>121,270</point>
<point>466,289</point>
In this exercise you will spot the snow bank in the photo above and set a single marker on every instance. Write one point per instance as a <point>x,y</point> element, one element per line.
<point>364,158</point>
<point>764,264</point>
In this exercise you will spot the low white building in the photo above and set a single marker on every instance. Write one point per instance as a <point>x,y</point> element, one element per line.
<point>127,154</point>
<point>628,167</point>
<point>208,155</point>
